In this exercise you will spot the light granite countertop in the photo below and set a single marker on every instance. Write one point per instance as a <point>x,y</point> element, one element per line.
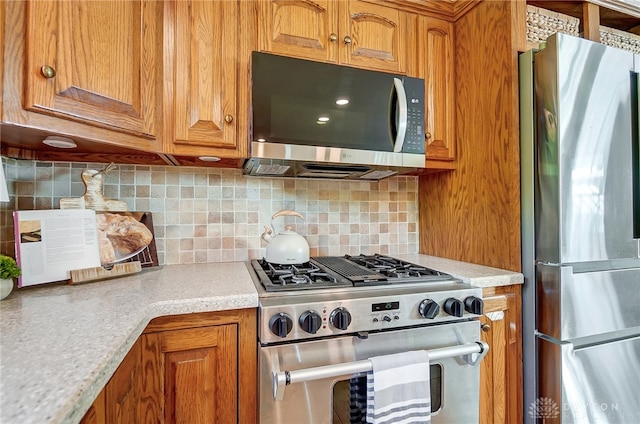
<point>60,344</point>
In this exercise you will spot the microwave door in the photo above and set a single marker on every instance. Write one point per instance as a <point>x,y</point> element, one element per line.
<point>401,115</point>
<point>299,102</point>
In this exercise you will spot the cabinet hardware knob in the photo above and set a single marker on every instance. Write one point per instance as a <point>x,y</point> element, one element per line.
<point>485,327</point>
<point>333,37</point>
<point>228,119</point>
<point>427,135</point>
<point>47,71</point>
<point>347,40</point>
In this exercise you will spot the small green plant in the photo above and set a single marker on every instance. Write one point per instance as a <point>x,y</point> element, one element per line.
<point>9,268</point>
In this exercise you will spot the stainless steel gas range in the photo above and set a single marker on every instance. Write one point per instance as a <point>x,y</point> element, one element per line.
<point>319,322</point>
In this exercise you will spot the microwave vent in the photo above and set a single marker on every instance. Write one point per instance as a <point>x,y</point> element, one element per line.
<point>345,169</point>
<point>271,169</point>
<point>278,168</point>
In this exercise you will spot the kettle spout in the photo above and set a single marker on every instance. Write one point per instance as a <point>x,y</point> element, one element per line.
<point>267,235</point>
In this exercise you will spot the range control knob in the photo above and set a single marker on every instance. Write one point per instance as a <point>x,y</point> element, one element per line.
<point>340,318</point>
<point>386,318</point>
<point>453,307</point>
<point>473,305</point>
<point>429,308</point>
<point>310,321</point>
<point>281,324</point>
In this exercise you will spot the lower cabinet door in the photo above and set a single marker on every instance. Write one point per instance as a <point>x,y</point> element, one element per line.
<point>121,394</point>
<point>501,369</point>
<point>190,375</point>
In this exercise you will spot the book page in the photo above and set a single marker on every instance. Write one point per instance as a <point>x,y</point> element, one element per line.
<point>51,243</point>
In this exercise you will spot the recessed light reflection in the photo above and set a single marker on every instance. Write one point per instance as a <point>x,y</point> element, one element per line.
<point>321,122</point>
<point>261,139</point>
<point>342,102</point>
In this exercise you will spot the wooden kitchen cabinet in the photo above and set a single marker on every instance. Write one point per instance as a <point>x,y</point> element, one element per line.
<point>118,401</point>
<point>193,368</point>
<point>501,370</point>
<point>435,64</point>
<point>200,368</point>
<point>178,361</point>
<point>208,47</point>
<point>353,32</point>
<point>89,64</point>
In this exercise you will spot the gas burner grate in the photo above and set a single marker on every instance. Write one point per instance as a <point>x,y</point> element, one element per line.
<point>283,277</point>
<point>347,268</point>
<point>304,278</point>
<point>394,268</point>
<point>276,270</point>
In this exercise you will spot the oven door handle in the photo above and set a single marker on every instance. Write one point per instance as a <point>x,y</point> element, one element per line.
<point>473,352</point>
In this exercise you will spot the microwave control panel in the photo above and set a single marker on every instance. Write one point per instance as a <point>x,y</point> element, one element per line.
<point>414,138</point>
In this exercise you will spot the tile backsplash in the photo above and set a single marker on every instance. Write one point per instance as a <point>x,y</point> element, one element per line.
<point>214,215</point>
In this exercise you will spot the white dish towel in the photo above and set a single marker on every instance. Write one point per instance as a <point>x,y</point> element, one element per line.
<point>398,390</point>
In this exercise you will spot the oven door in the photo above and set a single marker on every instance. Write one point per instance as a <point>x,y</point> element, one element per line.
<point>455,380</point>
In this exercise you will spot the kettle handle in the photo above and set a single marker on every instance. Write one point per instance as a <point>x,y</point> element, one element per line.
<point>287,213</point>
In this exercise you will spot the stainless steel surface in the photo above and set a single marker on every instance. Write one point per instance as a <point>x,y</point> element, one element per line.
<point>472,353</point>
<point>527,203</point>
<point>311,402</point>
<point>579,256</point>
<point>599,381</point>
<point>321,120</point>
<point>289,160</point>
<point>402,115</point>
<point>359,301</point>
<point>583,100</point>
<point>573,305</point>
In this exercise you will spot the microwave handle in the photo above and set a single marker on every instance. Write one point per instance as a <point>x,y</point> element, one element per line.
<point>403,113</point>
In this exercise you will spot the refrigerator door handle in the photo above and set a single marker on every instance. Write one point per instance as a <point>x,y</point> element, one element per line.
<point>607,342</point>
<point>635,151</point>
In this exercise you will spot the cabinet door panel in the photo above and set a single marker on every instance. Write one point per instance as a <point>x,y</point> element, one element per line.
<point>122,393</point>
<point>198,368</point>
<point>501,369</point>
<point>299,28</point>
<point>377,36</point>
<point>204,73</point>
<point>105,59</point>
<point>492,372</point>
<point>439,85</point>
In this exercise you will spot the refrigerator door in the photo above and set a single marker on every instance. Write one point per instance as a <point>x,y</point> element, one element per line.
<point>589,384</point>
<point>586,105</point>
<point>572,305</point>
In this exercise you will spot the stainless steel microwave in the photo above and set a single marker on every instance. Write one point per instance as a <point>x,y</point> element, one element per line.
<point>320,120</point>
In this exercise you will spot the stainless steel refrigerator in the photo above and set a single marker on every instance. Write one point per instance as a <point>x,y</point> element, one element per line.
<point>580,183</point>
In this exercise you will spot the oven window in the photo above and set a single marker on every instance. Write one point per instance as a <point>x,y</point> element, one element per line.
<point>350,396</point>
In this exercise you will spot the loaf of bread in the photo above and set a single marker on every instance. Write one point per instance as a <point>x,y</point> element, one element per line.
<point>124,233</point>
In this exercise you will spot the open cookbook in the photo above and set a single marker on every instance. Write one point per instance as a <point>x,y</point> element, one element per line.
<point>52,243</point>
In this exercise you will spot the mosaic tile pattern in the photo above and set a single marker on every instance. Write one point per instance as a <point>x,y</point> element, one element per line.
<point>214,215</point>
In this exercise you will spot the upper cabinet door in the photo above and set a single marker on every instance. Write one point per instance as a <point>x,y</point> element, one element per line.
<point>436,66</point>
<point>203,70</point>
<point>95,62</point>
<point>373,36</point>
<point>348,32</point>
<point>300,28</point>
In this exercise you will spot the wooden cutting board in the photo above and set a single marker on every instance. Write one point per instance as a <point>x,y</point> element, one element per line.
<point>93,197</point>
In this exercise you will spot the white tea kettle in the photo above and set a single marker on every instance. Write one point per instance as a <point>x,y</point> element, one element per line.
<point>288,247</point>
